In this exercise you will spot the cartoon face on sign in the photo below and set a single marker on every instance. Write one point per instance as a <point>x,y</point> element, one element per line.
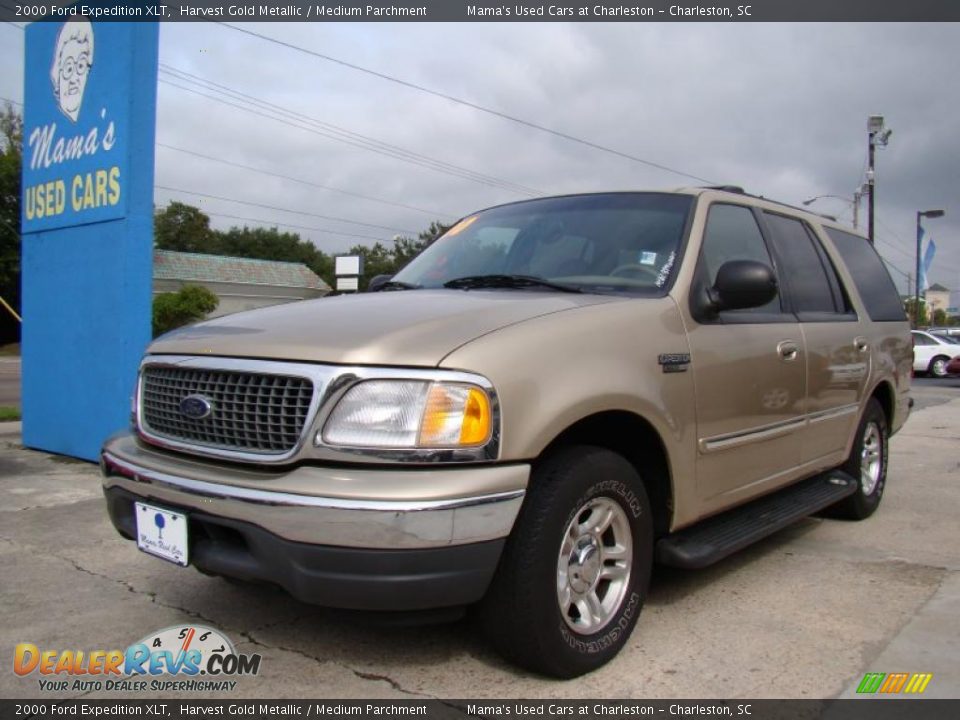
<point>72,60</point>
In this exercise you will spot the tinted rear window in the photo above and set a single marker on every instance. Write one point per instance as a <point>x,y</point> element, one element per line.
<point>873,282</point>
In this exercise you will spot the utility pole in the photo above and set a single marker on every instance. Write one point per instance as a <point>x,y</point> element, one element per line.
<point>872,185</point>
<point>876,135</point>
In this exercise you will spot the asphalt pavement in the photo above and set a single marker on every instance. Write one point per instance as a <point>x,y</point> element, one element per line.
<point>803,614</point>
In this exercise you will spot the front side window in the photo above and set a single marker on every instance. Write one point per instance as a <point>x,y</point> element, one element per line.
<point>618,242</point>
<point>732,233</point>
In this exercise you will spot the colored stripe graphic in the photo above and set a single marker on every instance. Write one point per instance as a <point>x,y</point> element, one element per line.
<point>918,683</point>
<point>871,683</point>
<point>894,683</point>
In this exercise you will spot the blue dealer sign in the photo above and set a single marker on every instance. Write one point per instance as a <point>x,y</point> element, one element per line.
<point>75,138</point>
<point>88,141</point>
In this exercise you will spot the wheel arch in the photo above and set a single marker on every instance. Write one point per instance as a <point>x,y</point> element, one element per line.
<point>637,440</point>
<point>884,394</point>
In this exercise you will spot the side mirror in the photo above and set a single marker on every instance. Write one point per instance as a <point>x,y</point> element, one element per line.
<point>742,284</point>
<point>377,282</point>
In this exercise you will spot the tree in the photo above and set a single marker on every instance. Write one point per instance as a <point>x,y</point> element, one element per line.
<point>380,260</point>
<point>921,321</point>
<point>173,310</point>
<point>11,136</point>
<point>183,227</point>
<point>940,317</point>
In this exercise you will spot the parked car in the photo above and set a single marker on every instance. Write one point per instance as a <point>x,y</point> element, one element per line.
<point>553,396</point>
<point>953,367</point>
<point>931,353</point>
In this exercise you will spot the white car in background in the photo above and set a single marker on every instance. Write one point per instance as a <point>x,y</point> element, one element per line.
<point>931,353</point>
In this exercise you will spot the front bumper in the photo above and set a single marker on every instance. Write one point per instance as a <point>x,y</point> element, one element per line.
<point>387,538</point>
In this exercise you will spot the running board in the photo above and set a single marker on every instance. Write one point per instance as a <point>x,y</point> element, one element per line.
<point>714,538</point>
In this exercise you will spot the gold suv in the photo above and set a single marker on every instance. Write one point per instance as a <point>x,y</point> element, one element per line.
<point>554,395</point>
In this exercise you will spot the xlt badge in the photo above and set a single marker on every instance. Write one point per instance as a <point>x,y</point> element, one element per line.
<point>674,362</point>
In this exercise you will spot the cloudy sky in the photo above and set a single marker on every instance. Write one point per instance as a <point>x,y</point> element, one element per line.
<point>780,109</point>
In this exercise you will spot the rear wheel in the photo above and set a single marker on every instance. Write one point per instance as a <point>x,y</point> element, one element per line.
<point>868,464</point>
<point>575,571</point>
<point>938,366</point>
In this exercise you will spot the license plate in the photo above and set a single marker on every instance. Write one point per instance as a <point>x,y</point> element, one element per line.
<point>162,533</point>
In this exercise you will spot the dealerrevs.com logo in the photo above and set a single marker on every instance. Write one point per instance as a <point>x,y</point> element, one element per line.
<point>177,658</point>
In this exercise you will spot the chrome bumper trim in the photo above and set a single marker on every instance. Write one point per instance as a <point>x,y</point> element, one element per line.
<point>261,497</point>
<point>333,521</point>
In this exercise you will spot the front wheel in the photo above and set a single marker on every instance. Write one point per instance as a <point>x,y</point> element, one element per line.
<point>868,464</point>
<point>575,571</point>
<point>938,366</point>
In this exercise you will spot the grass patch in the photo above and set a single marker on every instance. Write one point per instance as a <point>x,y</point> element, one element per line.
<point>8,414</point>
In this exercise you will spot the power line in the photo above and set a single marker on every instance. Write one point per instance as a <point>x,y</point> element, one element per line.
<point>273,223</point>
<point>396,154</point>
<point>333,132</point>
<point>911,256</point>
<point>282,209</point>
<point>301,181</point>
<point>11,101</point>
<point>890,265</point>
<point>474,106</point>
<point>492,182</point>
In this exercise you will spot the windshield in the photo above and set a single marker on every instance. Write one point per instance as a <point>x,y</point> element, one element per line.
<point>595,243</point>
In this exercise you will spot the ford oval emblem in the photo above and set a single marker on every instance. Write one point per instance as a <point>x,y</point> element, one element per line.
<point>196,407</point>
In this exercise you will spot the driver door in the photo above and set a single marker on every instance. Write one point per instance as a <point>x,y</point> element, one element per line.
<point>749,374</point>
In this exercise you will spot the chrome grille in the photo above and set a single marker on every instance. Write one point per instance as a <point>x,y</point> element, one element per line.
<point>251,412</point>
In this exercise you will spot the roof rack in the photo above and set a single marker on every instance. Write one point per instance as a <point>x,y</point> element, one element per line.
<point>725,188</point>
<point>740,191</point>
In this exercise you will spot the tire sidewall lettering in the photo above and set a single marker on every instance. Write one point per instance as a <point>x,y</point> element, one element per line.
<point>611,635</point>
<point>617,630</point>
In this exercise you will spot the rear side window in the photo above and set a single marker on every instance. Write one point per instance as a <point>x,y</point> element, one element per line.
<point>873,282</point>
<point>814,287</point>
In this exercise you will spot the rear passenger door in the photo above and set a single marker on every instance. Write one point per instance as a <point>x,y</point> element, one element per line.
<point>836,363</point>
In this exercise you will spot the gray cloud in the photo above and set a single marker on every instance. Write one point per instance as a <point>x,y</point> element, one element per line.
<point>778,108</point>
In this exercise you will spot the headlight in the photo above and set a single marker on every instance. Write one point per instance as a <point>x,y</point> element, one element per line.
<point>410,414</point>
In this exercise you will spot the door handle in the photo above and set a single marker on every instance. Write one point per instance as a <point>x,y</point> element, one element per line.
<point>861,344</point>
<point>788,350</point>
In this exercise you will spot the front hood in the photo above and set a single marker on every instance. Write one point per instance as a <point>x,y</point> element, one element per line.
<point>408,327</point>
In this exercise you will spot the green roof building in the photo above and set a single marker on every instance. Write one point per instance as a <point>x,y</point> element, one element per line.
<point>240,283</point>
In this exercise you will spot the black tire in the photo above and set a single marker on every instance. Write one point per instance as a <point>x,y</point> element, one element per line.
<point>938,366</point>
<point>864,502</point>
<point>522,613</point>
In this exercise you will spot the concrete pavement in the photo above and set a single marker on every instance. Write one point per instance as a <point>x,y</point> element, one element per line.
<point>803,614</point>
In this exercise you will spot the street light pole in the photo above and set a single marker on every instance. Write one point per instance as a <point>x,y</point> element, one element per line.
<point>855,203</point>
<point>916,297</point>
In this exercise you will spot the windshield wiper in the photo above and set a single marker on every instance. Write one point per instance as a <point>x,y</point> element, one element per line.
<point>471,282</point>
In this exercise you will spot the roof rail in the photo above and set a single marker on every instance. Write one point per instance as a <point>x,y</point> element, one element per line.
<point>740,191</point>
<point>725,188</point>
